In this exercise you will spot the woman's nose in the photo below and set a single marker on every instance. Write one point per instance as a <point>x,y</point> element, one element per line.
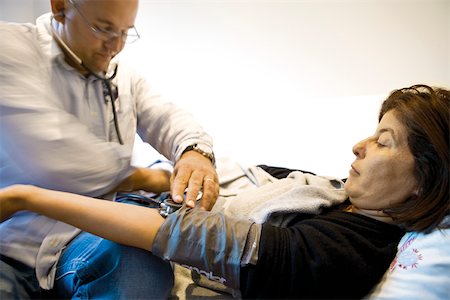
<point>360,149</point>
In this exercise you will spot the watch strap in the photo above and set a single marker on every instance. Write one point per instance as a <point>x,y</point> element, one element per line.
<point>196,148</point>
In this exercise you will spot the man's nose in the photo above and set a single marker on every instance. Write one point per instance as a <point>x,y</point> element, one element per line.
<point>115,44</point>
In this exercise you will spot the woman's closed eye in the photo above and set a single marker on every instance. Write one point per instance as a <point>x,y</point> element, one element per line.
<point>384,139</point>
<point>381,144</point>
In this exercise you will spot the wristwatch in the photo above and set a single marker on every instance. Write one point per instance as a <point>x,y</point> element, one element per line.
<point>204,150</point>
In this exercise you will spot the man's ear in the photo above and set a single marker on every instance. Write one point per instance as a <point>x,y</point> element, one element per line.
<point>58,10</point>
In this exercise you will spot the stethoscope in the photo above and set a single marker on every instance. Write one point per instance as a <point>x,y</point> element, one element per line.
<point>107,81</point>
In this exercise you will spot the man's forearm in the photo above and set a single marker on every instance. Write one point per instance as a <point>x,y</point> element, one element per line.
<point>150,180</point>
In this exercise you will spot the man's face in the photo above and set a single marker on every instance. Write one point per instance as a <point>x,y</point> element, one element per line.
<point>82,16</point>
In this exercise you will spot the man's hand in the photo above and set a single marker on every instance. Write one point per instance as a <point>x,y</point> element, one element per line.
<point>194,172</point>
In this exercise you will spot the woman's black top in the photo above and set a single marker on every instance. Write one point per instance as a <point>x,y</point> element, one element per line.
<point>335,255</point>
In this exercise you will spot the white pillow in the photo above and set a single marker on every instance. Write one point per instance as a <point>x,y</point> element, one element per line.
<point>421,269</point>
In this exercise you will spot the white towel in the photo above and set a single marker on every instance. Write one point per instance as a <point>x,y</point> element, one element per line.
<point>299,192</point>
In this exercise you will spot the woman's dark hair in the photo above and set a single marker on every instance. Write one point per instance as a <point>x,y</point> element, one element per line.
<point>425,112</point>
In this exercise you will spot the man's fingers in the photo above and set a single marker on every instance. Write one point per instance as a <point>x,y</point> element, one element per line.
<point>180,182</point>
<point>195,185</point>
<point>189,189</point>
<point>210,193</point>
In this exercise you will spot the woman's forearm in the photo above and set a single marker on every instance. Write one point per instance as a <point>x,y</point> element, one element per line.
<point>122,223</point>
<point>203,241</point>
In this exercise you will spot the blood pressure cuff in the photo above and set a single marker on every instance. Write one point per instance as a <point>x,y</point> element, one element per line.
<point>211,244</point>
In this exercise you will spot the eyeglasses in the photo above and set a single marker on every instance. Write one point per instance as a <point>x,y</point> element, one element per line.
<point>130,36</point>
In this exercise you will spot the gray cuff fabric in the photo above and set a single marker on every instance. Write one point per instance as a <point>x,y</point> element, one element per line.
<point>209,243</point>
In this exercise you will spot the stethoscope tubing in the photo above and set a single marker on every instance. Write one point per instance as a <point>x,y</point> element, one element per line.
<point>106,80</point>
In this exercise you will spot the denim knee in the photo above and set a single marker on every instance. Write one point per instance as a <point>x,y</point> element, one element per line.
<point>92,267</point>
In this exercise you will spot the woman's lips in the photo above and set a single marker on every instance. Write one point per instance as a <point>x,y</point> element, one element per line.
<point>353,170</point>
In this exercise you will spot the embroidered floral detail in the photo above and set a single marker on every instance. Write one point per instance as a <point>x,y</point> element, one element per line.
<point>405,259</point>
<point>409,259</point>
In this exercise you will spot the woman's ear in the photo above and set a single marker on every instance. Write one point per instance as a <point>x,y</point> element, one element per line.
<point>58,9</point>
<point>416,192</point>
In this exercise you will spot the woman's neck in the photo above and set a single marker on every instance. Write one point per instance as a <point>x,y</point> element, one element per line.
<point>374,214</point>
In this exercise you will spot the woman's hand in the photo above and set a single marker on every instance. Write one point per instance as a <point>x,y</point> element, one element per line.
<point>11,200</point>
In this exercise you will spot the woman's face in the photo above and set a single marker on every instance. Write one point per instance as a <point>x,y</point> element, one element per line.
<point>382,173</point>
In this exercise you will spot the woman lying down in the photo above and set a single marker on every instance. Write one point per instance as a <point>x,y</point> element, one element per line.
<point>399,181</point>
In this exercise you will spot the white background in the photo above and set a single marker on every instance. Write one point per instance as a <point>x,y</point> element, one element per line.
<point>285,83</point>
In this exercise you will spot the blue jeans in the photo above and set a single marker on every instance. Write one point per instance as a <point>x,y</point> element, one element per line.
<point>94,268</point>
